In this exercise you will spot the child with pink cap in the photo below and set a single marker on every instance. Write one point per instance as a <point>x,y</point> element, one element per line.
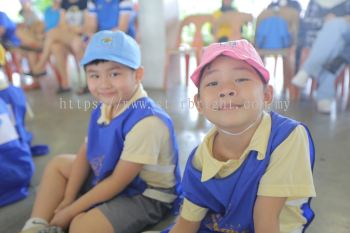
<point>253,170</point>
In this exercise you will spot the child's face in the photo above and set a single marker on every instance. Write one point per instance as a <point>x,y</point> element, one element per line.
<point>232,94</point>
<point>112,83</point>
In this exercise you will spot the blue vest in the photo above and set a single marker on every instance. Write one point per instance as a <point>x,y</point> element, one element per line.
<point>14,97</point>
<point>272,33</point>
<point>231,200</point>
<point>16,165</point>
<point>106,142</point>
<point>107,14</point>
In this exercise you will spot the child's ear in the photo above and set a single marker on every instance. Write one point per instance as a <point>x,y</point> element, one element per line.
<point>198,103</point>
<point>268,95</point>
<point>139,72</point>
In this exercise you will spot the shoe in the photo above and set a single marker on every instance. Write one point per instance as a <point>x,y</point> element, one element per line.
<point>325,106</point>
<point>300,79</point>
<point>83,90</point>
<point>34,229</point>
<point>33,86</point>
<point>51,229</point>
<point>62,90</point>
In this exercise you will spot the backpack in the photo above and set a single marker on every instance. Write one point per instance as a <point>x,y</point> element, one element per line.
<point>15,99</point>
<point>272,33</point>
<point>16,164</point>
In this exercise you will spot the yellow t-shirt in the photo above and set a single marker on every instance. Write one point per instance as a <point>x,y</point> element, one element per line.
<point>148,143</point>
<point>286,176</point>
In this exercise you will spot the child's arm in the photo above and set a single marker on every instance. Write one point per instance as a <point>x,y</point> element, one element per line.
<point>122,175</point>
<point>184,226</point>
<point>79,172</point>
<point>266,214</point>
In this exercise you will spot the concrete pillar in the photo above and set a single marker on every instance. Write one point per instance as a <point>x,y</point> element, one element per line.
<point>158,20</point>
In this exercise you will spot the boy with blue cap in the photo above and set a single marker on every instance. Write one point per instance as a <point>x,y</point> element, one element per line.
<point>126,175</point>
<point>253,170</point>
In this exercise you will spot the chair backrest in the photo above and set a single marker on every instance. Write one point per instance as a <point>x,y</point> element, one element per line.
<point>198,21</point>
<point>234,20</point>
<point>277,28</point>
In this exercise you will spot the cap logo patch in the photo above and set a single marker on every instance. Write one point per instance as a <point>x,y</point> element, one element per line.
<point>107,40</point>
<point>229,43</point>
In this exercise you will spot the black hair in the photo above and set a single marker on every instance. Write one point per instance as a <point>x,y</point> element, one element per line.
<point>98,61</point>
<point>95,62</point>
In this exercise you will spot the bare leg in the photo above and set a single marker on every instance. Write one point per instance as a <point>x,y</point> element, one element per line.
<point>27,38</point>
<point>60,53</point>
<point>52,186</point>
<point>92,221</point>
<point>51,38</point>
<point>57,35</point>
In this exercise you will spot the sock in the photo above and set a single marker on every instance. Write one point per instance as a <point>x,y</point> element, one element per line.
<point>35,222</point>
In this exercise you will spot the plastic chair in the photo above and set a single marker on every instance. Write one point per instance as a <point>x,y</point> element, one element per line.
<point>234,20</point>
<point>292,17</point>
<point>194,48</point>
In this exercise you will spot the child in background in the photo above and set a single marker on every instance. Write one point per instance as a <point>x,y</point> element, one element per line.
<point>253,170</point>
<point>125,176</point>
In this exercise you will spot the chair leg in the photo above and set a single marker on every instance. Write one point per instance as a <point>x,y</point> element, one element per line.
<point>166,69</point>
<point>187,66</point>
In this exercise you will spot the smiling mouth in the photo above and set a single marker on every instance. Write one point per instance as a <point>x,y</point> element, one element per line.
<point>228,107</point>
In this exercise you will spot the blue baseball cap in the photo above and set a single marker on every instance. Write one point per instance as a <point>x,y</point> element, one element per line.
<point>113,46</point>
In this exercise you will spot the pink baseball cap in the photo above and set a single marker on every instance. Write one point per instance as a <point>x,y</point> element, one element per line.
<point>238,49</point>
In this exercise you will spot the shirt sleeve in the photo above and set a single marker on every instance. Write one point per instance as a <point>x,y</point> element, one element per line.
<point>289,172</point>
<point>192,212</point>
<point>142,144</point>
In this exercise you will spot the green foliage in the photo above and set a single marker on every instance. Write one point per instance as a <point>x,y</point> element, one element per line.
<point>41,5</point>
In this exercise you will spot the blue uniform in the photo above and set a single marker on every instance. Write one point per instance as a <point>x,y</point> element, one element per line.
<point>231,200</point>
<point>16,165</point>
<point>107,14</point>
<point>106,142</point>
<point>9,38</point>
<point>51,18</point>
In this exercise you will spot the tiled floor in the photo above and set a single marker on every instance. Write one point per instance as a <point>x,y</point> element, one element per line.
<point>61,122</point>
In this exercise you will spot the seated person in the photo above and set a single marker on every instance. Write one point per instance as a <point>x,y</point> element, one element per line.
<point>324,50</point>
<point>114,15</point>
<point>253,170</point>
<point>52,15</point>
<point>223,32</point>
<point>20,41</point>
<point>126,174</point>
<point>67,37</point>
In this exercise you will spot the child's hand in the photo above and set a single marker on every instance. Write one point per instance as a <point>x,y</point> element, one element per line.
<point>62,218</point>
<point>64,203</point>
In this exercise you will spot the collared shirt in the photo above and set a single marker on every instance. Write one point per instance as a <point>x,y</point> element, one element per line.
<point>148,143</point>
<point>287,175</point>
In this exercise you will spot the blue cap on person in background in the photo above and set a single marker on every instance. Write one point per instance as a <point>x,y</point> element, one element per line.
<point>113,46</point>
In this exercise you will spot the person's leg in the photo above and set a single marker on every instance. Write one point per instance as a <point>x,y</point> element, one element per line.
<point>56,35</point>
<point>324,49</point>
<point>92,221</point>
<point>60,54</point>
<point>326,92</point>
<point>78,47</point>
<point>50,194</point>
<point>52,186</point>
<point>28,39</point>
<point>328,44</point>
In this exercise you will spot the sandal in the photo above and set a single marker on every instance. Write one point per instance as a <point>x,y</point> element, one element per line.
<point>83,90</point>
<point>36,75</point>
<point>62,90</point>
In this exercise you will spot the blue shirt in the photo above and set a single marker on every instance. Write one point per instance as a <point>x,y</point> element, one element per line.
<point>9,37</point>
